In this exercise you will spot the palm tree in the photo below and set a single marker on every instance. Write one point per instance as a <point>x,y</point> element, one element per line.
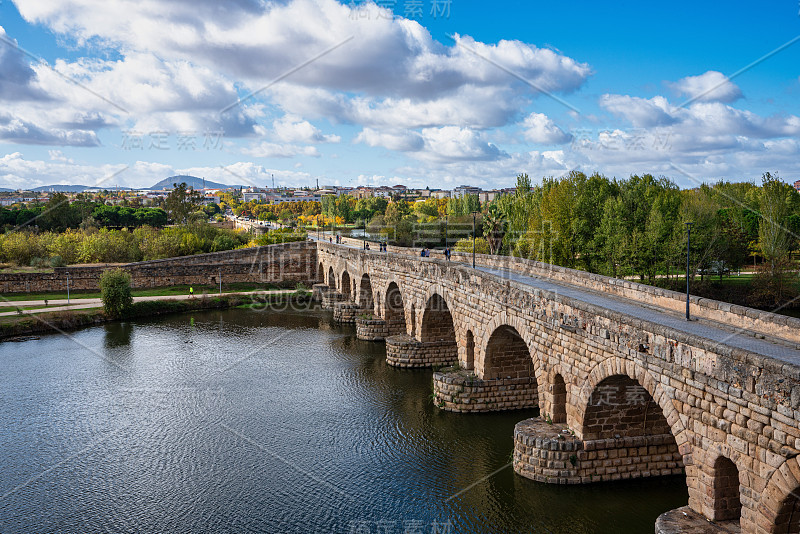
<point>494,226</point>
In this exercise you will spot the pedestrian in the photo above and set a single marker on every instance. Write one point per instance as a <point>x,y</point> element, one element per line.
<point>330,239</point>
<point>447,253</point>
<point>191,292</point>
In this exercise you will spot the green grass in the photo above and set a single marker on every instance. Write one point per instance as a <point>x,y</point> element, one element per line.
<point>154,292</point>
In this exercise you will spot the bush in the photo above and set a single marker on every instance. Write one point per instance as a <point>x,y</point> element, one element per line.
<point>465,245</point>
<point>57,261</point>
<point>115,290</point>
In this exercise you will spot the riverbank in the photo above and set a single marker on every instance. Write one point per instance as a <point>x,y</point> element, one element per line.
<point>65,320</point>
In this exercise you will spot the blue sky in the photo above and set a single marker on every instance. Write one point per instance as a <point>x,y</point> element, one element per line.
<point>426,93</point>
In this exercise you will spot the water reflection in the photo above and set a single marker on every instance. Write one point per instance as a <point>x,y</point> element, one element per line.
<point>220,428</point>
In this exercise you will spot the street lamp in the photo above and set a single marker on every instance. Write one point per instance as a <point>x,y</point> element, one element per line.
<point>688,241</point>
<point>474,214</point>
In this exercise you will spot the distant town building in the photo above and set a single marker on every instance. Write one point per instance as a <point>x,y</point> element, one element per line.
<point>462,190</point>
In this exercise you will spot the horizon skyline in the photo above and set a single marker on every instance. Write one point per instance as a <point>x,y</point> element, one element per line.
<point>350,93</point>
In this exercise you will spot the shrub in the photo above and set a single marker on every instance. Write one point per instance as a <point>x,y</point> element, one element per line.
<point>115,290</point>
<point>465,245</point>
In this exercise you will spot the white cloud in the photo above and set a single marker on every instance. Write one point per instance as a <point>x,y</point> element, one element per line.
<point>641,112</point>
<point>403,141</point>
<point>539,128</point>
<point>20,131</point>
<point>451,143</point>
<point>711,86</point>
<point>18,81</point>
<point>275,150</point>
<point>289,129</point>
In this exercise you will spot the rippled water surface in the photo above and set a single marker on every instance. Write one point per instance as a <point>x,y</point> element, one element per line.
<point>247,421</point>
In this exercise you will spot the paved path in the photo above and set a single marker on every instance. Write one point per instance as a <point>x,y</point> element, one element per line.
<point>711,330</point>
<point>80,304</point>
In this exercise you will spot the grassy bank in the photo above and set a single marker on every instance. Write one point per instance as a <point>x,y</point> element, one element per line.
<point>154,292</point>
<point>43,323</point>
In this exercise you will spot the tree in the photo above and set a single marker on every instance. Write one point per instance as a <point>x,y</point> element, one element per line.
<point>181,202</point>
<point>115,288</point>
<point>57,214</point>
<point>494,229</point>
<point>777,202</point>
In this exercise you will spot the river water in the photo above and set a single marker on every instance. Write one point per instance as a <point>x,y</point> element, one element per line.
<point>266,421</point>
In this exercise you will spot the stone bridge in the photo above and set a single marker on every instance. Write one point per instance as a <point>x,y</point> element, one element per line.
<point>625,386</point>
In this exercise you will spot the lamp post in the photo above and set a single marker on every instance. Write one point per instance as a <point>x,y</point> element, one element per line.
<point>474,214</point>
<point>364,235</point>
<point>688,241</point>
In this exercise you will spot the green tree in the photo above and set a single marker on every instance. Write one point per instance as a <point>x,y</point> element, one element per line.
<point>115,290</point>
<point>777,202</point>
<point>181,202</point>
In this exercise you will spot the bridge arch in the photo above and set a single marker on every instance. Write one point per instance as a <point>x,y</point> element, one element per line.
<point>507,355</point>
<point>437,321</point>
<point>365,297</point>
<point>616,366</point>
<point>331,278</point>
<point>521,328</point>
<point>346,285</point>
<point>780,500</point>
<point>394,310</point>
<point>321,273</point>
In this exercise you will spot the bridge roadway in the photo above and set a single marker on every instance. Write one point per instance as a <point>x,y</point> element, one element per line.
<point>714,331</point>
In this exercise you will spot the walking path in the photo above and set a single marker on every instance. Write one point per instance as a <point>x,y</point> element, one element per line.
<point>79,304</point>
<point>713,331</point>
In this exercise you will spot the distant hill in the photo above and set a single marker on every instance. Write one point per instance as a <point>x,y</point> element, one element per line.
<point>191,181</point>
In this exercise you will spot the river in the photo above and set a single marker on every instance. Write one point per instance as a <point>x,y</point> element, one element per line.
<point>266,421</point>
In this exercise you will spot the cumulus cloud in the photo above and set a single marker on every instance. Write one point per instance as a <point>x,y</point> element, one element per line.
<point>15,130</point>
<point>290,129</point>
<point>539,128</point>
<point>18,80</point>
<point>275,150</point>
<point>385,56</point>
<point>641,112</point>
<point>711,86</point>
<point>451,143</point>
<point>403,141</point>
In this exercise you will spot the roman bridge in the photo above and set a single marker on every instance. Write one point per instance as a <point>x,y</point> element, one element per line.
<point>626,387</point>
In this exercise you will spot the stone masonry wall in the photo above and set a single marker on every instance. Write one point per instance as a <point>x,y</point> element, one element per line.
<point>551,453</point>
<point>346,312</point>
<point>370,329</point>
<point>460,391</point>
<point>290,262</point>
<point>405,351</point>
